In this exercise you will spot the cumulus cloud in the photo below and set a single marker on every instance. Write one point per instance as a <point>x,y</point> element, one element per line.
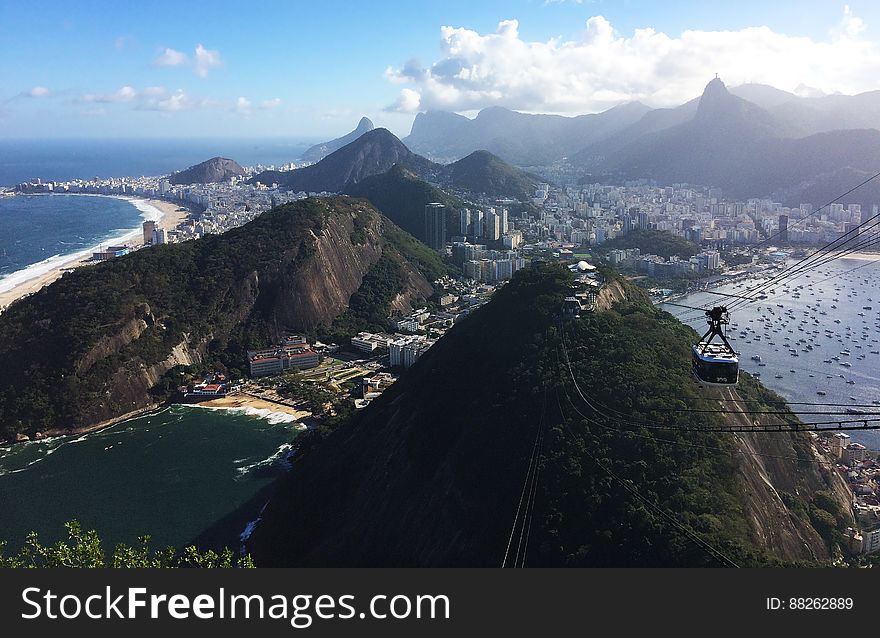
<point>202,61</point>
<point>170,57</point>
<point>407,102</point>
<point>601,67</point>
<point>206,60</point>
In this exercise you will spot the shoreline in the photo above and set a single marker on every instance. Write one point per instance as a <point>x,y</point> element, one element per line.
<point>32,278</point>
<point>246,402</point>
<point>258,408</point>
<point>56,433</point>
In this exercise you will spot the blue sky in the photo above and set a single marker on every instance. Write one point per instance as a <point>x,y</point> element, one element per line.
<point>185,69</point>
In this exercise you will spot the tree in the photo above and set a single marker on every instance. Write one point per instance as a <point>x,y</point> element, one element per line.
<point>83,549</point>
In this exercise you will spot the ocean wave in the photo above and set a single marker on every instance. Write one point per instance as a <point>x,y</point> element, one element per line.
<point>51,446</point>
<point>273,417</point>
<point>34,271</point>
<point>280,459</point>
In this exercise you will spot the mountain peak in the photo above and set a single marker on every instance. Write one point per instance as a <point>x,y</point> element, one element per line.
<point>216,169</point>
<point>717,104</point>
<point>715,93</point>
<point>320,151</point>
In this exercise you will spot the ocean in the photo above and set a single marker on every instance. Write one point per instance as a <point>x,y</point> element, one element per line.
<point>177,475</point>
<point>60,160</point>
<point>173,474</point>
<point>819,315</point>
<point>39,232</point>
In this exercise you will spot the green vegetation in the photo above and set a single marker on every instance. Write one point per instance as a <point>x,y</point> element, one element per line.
<point>829,519</point>
<point>424,258</point>
<point>72,353</point>
<point>84,549</point>
<point>369,305</point>
<point>485,173</point>
<point>402,197</point>
<point>455,433</point>
<point>655,242</point>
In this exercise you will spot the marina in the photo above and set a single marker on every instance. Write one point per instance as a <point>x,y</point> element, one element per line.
<point>814,338</point>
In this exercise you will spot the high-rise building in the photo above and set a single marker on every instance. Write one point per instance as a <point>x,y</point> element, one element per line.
<point>783,228</point>
<point>477,221</point>
<point>464,221</point>
<point>149,227</point>
<point>493,226</point>
<point>643,220</point>
<point>435,226</point>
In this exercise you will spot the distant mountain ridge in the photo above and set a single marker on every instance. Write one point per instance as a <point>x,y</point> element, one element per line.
<point>520,138</point>
<point>319,151</point>
<point>633,141</point>
<point>216,169</point>
<point>377,151</point>
<point>372,153</point>
<point>736,145</point>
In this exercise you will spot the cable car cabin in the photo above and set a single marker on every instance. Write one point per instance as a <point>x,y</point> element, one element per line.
<point>715,364</point>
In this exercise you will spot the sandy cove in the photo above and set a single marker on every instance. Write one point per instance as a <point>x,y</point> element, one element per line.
<point>233,401</point>
<point>171,217</point>
<point>229,402</point>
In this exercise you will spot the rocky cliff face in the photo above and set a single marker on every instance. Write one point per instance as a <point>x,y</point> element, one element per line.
<point>778,474</point>
<point>99,342</point>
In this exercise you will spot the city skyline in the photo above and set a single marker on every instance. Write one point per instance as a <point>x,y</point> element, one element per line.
<point>312,72</point>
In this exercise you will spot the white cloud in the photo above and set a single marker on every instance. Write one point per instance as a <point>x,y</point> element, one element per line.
<point>275,102</point>
<point>243,105</point>
<point>601,67</point>
<point>180,100</point>
<point>170,57</point>
<point>202,61</point>
<point>123,94</point>
<point>408,102</point>
<point>38,91</point>
<point>206,60</point>
<point>152,98</point>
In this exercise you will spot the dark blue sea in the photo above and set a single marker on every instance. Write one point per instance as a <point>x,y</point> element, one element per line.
<point>42,229</point>
<point>59,160</point>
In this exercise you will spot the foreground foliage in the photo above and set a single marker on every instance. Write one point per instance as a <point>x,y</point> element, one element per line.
<point>84,549</point>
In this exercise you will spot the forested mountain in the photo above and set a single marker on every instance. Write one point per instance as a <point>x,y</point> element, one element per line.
<point>216,169</point>
<point>481,172</point>
<point>110,338</point>
<point>374,153</point>
<point>370,154</point>
<point>402,197</point>
<point>417,479</point>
